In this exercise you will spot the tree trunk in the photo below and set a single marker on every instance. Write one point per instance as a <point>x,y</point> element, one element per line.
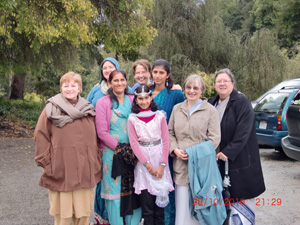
<point>10,80</point>
<point>18,86</point>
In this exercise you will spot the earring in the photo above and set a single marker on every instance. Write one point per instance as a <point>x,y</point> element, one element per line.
<point>167,83</point>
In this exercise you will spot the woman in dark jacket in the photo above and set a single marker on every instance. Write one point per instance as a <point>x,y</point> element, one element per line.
<point>239,146</point>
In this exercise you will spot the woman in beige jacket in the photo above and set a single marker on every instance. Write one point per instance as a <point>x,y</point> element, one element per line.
<point>192,122</point>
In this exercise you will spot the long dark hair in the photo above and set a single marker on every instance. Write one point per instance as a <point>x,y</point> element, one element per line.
<point>135,108</point>
<point>110,92</point>
<point>167,67</point>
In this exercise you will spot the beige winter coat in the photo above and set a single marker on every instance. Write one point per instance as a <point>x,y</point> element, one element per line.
<point>186,131</point>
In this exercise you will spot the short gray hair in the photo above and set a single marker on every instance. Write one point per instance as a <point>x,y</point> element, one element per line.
<point>195,77</point>
<point>228,72</point>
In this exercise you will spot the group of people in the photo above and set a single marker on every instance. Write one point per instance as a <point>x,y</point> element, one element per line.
<point>150,150</point>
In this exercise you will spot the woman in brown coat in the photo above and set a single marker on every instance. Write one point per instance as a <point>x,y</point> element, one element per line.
<point>67,149</point>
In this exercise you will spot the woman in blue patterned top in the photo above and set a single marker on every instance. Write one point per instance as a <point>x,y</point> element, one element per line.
<point>166,99</point>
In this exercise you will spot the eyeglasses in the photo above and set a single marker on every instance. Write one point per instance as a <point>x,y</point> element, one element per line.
<point>108,68</point>
<point>141,73</point>
<point>189,88</point>
<point>223,81</point>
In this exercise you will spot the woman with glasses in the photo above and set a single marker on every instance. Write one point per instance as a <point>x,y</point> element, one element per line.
<point>192,122</point>
<point>98,91</point>
<point>141,70</point>
<point>239,146</point>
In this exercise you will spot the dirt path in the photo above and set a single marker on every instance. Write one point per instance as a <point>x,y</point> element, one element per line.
<point>22,201</point>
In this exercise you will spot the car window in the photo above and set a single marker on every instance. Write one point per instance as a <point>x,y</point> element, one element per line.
<point>283,85</point>
<point>296,99</point>
<point>287,84</point>
<point>272,103</point>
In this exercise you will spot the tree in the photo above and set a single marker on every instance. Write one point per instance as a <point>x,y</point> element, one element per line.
<point>30,32</point>
<point>33,31</point>
<point>191,35</point>
<point>236,15</point>
<point>287,22</point>
<point>259,65</point>
<point>122,25</point>
<point>282,16</point>
<point>263,13</point>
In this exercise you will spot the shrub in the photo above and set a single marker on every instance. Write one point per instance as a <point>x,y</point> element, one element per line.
<point>21,110</point>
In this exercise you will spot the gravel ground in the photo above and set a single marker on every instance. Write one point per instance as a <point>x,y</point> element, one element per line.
<point>23,201</point>
<point>282,179</point>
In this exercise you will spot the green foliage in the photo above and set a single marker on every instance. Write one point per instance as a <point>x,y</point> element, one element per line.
<point>44,22</point>
<point>66,35</point>
<point>292,63</point>
<point>236,16</point>
<point>209,83</point>
<point>122,25</point>
<point>89,80</point>
<point>258,66</point>
<point>222,33</point>
<point>126,67</point>
<point>182,67</point>
<point>263,13</point>
<point>19,109</point>
<point>282,16</point>
<point>191,36</point>
<point>287,22</point>
<point>33,97</point>
<point>62,33</point>
<point>46,81</point>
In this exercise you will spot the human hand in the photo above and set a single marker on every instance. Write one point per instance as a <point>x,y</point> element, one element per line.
<point>151,169</point>
<point>221,156</point>
<point>181,154</point>
<point>160,171</point>
<point>176,87</point>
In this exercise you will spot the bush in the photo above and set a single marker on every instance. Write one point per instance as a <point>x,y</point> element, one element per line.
<point>32,97</point>
<point>21,110</point>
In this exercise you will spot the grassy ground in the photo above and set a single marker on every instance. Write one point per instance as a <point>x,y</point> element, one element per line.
<point>18,118</point>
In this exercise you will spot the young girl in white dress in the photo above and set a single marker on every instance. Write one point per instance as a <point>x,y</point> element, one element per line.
<point>149,139</point>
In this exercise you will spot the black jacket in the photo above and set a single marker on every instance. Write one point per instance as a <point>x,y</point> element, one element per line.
<point>239,144</point>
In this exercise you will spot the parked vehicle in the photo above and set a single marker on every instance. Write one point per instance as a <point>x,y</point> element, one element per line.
<point>291,143</point>
<point>286,84</point>
<point>270,117</point>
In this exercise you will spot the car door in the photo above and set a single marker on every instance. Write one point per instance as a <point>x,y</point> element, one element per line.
<point>293,120</point>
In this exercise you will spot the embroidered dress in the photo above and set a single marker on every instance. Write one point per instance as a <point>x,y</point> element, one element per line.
<point>111,188</point>
<point>151,133</point>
